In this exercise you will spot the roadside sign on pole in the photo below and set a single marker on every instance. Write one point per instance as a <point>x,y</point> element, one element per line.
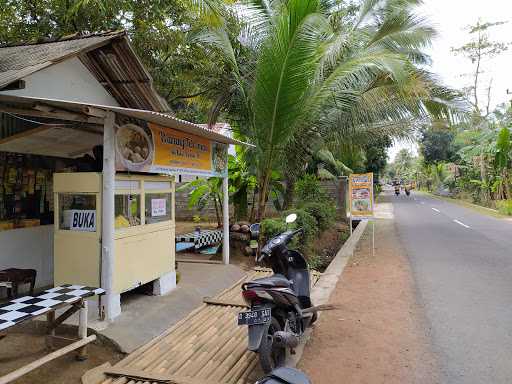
<point>361,196</point>
<point>361,200</point>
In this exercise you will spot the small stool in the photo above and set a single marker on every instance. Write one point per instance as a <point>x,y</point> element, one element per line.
<point>11,278</point>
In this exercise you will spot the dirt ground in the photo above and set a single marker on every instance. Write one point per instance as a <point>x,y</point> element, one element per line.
<point>26,343</point>
<point>379,333</point>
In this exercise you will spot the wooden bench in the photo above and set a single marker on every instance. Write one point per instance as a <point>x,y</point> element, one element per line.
<point>27,308</point>
<point>11,278</point>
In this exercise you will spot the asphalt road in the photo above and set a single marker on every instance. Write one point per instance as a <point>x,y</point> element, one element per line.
<point>462,265</point>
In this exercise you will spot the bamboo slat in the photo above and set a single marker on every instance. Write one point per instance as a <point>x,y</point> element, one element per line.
<point>206,345</point>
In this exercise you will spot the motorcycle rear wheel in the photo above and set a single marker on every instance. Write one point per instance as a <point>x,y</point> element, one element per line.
<point>270,355</point>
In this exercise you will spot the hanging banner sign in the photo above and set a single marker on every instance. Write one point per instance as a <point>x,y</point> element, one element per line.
<point>83,220</point>
<point>157,149</point>
<point>158,207</point>
<point>361,195</point>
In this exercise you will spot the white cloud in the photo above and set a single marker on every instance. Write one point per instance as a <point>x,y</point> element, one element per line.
<point>451,17</point>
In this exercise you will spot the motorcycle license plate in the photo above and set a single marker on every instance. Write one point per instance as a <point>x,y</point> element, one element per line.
<point>259,316</point>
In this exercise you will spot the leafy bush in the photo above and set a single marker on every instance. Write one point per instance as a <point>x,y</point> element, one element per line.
<point>323,212</point>
<point>308,223</point>
<point>315,262</point>
<point>272,227</point>
<point>308,189</point>
<point>504,207</point>
<point>377,189</point>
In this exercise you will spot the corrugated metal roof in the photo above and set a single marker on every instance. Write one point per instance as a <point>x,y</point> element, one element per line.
<point>108,56</point>
<point>19,61</point>
<point>159,118</point>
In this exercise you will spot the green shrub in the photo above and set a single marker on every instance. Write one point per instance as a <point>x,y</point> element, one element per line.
<point>315,262</point>
<point>377,188</point>
<point>504,207</point>
<point>308,223</point>
<point>323,212</point>
<point>272,227</point>
<point>308,189</point>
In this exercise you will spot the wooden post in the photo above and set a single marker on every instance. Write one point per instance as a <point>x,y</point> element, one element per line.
<point>225,221</point>
<point>50,318</point>
<point>111,302</point>
<point>82,330</point>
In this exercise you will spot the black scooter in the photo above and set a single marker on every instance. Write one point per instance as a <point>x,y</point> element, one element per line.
<point>285,376</point>
<point>280,305</point>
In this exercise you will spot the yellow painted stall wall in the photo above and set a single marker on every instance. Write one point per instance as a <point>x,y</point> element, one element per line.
<point>77,255</point>
<point>76,259</point>
<point>143,257</point>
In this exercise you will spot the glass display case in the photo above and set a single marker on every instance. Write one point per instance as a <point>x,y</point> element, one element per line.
<point>144,229</point>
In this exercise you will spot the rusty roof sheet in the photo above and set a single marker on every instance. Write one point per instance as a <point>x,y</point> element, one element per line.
<point>164,119</point>
<point>17,62</point>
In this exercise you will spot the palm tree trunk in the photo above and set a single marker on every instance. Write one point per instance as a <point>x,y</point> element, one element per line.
<point>506,185</point>
<point>253,204</point>
<point>217,213</point>
<point>262,196</point>
<point>289,193</point>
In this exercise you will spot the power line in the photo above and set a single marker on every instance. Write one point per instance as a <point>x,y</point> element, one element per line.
<point>39,122</point>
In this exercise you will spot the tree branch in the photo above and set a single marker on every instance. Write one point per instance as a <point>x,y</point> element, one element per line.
<point>192,95</point>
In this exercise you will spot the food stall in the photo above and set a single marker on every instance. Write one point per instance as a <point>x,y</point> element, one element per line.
<point>144,229</point>
<point>115,225</point>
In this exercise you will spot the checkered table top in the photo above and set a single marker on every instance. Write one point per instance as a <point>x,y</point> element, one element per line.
<point>201,239</point>
<point>28,307</point>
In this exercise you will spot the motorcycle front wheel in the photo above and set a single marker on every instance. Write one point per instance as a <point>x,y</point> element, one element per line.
<point>271,356</point>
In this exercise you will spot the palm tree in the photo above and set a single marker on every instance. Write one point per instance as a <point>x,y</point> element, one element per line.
<point>309,75</point>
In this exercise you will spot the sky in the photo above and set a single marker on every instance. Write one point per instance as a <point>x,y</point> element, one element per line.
<point>451,17</point>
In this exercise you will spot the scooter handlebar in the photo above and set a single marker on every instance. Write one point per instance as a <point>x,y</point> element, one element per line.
<point>283,238</point>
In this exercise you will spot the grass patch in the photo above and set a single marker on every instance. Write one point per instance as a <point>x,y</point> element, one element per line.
<point>475,207</point>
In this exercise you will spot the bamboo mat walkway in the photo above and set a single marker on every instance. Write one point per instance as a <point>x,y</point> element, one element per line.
<point>205,347</point>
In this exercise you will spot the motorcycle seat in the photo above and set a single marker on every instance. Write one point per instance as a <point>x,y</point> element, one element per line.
<point>276,281</point>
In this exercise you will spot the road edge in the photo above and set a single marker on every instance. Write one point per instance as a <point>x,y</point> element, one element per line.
<point>475,207</point>
<point>321,292</point>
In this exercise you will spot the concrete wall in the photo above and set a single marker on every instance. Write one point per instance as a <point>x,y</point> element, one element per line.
<point>336,189</point>
<point>68,80</point>
<point>29,248</point>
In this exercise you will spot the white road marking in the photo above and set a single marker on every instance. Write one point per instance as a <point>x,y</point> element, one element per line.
<point>422,202</point>
<point>461,223</point>
<point>437,210</point>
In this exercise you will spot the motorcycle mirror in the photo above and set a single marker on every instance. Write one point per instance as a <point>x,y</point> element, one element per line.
<point>291,218</point>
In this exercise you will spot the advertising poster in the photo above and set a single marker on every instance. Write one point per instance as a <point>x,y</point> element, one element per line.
<point>157,149</point>
<point>158,207</point>
<point>361,195</point>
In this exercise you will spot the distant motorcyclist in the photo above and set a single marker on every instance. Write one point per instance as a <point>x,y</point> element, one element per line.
<point>396,184</point>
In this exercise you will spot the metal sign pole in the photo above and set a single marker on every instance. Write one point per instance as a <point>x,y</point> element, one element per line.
<point>373,237</point>
<point>373,220</point>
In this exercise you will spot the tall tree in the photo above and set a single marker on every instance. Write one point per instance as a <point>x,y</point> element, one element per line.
<point>314,78</point>
<point>437,143</point>
<point>183,73</point>
<point>478,50</point>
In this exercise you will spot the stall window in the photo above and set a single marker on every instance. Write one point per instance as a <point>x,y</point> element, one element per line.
<point>158,207</point>
<point>77,212</point>
<point>127,210</point>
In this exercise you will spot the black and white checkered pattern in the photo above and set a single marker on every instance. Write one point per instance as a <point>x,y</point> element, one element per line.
<point>201,239</point>
<point>27,307</point>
